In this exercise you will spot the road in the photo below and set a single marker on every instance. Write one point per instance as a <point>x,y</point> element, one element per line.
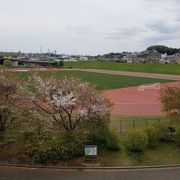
<point>11,173</point>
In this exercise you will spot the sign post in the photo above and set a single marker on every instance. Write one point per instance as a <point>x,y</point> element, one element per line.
<point>90,154</point>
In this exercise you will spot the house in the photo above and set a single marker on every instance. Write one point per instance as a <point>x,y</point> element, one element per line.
<point>130,57</point>
<point>83,58</point>
<point>175,58</point>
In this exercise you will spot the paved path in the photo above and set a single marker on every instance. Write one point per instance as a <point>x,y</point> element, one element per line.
<point>9,173</point>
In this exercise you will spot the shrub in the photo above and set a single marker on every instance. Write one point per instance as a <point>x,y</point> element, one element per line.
<point>61,63</point>
<point>62,147</point>
<point>153,136</point>
<point>113,142</point>
<point>28,137</point>
<point>137,141</point>
<point>103,138</point>
<point>165,133</point>
<point>7,63</point>
<point>98,137</point>
<point>177,137</point>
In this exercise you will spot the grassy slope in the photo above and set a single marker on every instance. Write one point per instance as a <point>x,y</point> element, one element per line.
<point>149,68</point>
<point>163,154</point>
<point>101,81</point>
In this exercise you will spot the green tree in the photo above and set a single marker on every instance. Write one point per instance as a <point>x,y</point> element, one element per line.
<point>170,97</point>
<point>8,63</point>
<point>163,49</point>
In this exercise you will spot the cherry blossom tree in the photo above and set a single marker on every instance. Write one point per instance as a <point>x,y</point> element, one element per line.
<point>71,103</point>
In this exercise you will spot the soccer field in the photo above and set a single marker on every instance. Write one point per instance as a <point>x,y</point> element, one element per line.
<point>100,81</point>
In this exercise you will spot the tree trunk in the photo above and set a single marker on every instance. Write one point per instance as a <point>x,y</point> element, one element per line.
<point>1,135</point>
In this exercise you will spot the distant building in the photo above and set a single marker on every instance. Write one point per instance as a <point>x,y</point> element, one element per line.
<point>83,58</point>
<point>25,63</point>
<point>163,56</point>
<point>174,59</point>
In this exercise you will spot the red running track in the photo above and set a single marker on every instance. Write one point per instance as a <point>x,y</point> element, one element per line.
<point>131,101</point>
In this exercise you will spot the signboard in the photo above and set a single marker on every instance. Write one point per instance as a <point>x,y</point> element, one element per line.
<point>90,151</point>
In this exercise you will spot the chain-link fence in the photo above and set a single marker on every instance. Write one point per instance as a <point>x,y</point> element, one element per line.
<point>123,126</point>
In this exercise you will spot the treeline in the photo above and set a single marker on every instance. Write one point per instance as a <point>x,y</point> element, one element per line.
<point>164,49</point>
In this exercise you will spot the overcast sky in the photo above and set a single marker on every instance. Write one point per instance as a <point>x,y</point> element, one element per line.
<point>88,26</point>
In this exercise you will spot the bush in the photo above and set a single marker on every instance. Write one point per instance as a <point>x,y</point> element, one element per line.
<point>7,63</point>
<point>29,137</point>
<point>153,136</point>
<point>113,142</point>
<point>137,141</point>
<point>104,139</point>
<point>62,147</point>
<point>61,63</point>
<point>165,133</point>
<point>177,137</point>
<point>98,137</point>
<point>66,146</point>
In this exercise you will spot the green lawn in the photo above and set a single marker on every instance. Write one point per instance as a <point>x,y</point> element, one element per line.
<point>149,68</point>
<point>163,154</point>
<point>101,81</point>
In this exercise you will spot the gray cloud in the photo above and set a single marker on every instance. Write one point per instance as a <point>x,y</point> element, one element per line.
<point>123,33</point>
<point>158,39</point>
<point>81,30</point>
<point>163,26</point>
<point>88,27</point>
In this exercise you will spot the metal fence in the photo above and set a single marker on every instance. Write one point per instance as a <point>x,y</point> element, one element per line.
<point>123,126</point>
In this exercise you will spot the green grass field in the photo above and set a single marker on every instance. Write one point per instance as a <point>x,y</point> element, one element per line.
<point>101,81</point>
<point>149,68</point>
<point>163,154</point>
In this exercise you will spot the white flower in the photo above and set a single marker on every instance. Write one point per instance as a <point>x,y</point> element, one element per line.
<point>64,101</point>
<point>82,112</point>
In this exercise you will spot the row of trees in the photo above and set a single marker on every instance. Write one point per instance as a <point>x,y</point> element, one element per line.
<point>164,49</point>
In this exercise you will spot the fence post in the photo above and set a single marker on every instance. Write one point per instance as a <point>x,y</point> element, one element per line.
<point>134,124</point>
<point>159,120</point>
<point>120,126</point>
<point>170,122</point>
